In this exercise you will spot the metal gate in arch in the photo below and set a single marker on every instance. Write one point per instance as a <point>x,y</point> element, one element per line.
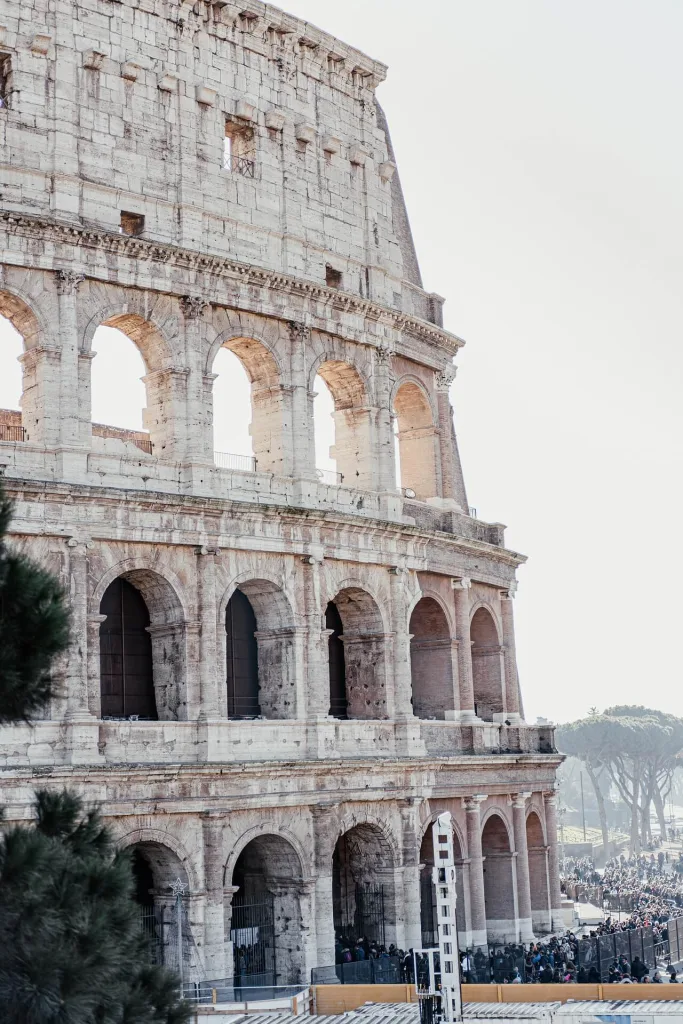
<point>362,915</point>
<point>252,933</point>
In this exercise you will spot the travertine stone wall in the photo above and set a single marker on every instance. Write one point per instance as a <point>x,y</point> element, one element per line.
<point>117,110</point>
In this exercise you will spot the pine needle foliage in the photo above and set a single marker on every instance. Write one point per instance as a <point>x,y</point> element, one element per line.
<point>71,947</point>
<point>34,629</point>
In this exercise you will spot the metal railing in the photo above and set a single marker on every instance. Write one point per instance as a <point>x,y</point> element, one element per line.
<point>381,971</point>
<point>143,443</point>
<point>242,463</point>
<point>232,990</point>
<point>329,476</point>
<point>240,165</point>
<point>472,512</point>
<point>10,432</point>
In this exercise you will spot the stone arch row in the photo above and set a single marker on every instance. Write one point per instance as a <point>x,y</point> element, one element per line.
<point>141,629</point>
<point>179,340</point>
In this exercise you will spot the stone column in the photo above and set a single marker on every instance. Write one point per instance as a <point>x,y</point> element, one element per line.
<point>410,902</point>
<point>301,457</point>
<point>41,395</point>
<point>317,662</point>
<point>228,893</point>
<point>452,482</point>
<point>402,694</point>
<point>512,694</point>
<point>477,898</point>
<point>386,456</point>
<point>550,804</point>
<point>197,429</point>
<point>70,406</point>
<point>324,838</point>
<point>462,624</point>
<point>82,726</point>
<point>208,686</point>
<point>214,915</point>
<point>526,933</point>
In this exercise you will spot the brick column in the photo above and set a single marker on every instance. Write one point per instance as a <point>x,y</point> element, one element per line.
<point>526,933</point>
<point>512,694</point>
<point>410,901</point>
<point>386,457</point>
<point>301,457</point>
<point>197,428</point>
<point>70,406</point>
<point>462,625</point>
<point>452,481</point>
<point>209,706</point>
<point>214,915</point>
<point>550,805</point>
<point>477,899</point>
<point>324,837</point>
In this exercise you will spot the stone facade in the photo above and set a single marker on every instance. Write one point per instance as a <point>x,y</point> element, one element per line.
<point>213,175</point>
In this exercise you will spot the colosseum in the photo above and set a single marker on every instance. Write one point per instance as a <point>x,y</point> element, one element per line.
<point>279,675</point>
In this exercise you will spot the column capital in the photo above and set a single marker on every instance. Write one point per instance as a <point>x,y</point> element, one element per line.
<point>205,550</point>
<point>462,583</point>
<point>192,306</point>
<point>384,355</point>
<point>298,330</point>
<point>68,281</point>
<point>519,799</point>
<point>510,591</point>
<point>550,797</point>
<point>471,803</point>
<point>444,378</point>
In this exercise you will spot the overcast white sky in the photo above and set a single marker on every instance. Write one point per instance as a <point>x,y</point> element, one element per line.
<point>540,150</point>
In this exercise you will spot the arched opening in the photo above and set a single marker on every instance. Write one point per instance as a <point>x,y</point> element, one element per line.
<point>164,918</point>
<point>357,670</point>
<point>363,893</point>
<point>335,648</point>
<point>260,652</point>
<point>487,671</point>
<point>242,658</point>
<point>324,433</point>
<point>142,650</point>
<point>416,441</point>
<point>428,904</point>
<point>431,660</point>
<point>499,881</point>
<point>132,399</point>
<point>353,426</point>
<point>538,875</point>
<point>267,923</point>
<point>11,385</point>
<point>126,664</point>
<point>264,402</point>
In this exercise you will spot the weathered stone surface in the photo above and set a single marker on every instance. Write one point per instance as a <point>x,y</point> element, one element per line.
<point>296,254</point>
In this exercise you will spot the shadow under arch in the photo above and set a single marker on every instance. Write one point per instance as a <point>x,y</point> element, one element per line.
<point>487,665</point>
<point>428,893</point>
<point>539,882</point>
<point>364,894</point>
<point>499,878</point>
<point>357,655</point>
<point>431,663</point>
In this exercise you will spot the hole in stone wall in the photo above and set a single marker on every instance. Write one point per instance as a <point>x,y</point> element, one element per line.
<point>333,278</point>
<point>5,80</point>
<point>239,149</point>
<point>132,223</point>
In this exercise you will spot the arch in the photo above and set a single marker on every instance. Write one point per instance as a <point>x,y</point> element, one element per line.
<point>242,674</point>
<point>151,580</point>
<point>262,829</point>
<point>126,662</point>
<point>361,681</point>
<point>539,883</point>
<point>142,327</point>
<point>431,664</point>
<point>268,912</point>
<point>155,860</point>
<point>363,885</point>
<point>26,418</point>
<point>417,438</point>
<point>17,307</point>
<point>499,878</point>
<point>256,343</point>
<point>428,904</point>
<point>353,422</point>
<point>269,640</point>
<point>166,630</point>
<point>167,840</point>
<point>267,403</point>
<point>487,669</point>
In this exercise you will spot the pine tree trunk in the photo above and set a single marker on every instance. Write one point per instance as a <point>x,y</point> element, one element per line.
<point>659,808</point>
<point>635,829</point>
<point>601,807</point>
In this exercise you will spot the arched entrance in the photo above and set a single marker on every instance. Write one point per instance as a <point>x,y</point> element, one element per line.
<point>431,666</point>
<point>499,881</point>
<point>428,906</point>
<point>242,658</point>
<point>126,665</point>
<point>266,928</point>
<point>538,875</point>
<point>164,916</point>
<point>363,895</point>
<point>416,441</point>
<point>487,673</point>
<point>357,665</point>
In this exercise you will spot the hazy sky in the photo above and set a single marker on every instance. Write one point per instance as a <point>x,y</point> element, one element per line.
<point>539,147</point>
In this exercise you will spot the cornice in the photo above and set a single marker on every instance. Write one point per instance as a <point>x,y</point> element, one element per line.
<point>189,260</point>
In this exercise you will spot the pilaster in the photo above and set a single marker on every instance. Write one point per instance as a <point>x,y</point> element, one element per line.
<point>522,867</point>
<point>477,899</point>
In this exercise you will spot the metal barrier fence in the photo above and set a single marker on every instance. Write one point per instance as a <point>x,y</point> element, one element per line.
<point>242,463</point>
<point>383,971</point>
<point>11,432</point>
<point>225,990</point>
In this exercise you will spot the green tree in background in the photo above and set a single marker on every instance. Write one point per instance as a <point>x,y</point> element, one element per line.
<point>71,946</point>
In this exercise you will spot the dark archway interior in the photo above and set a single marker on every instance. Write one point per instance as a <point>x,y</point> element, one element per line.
<point>144,879</point>
<point>126,664</point>
<point>242,658</point>
<point>362,888</point>
<point>338,700</point>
